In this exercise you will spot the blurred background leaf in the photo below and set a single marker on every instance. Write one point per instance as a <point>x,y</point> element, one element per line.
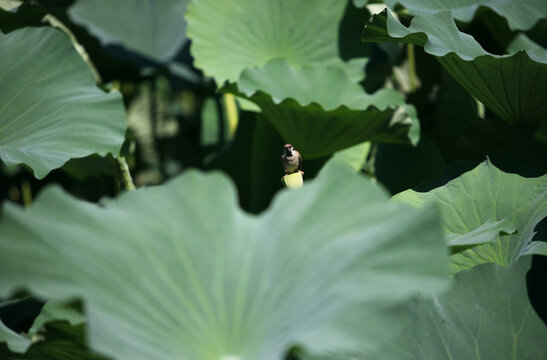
<point>155,29</point>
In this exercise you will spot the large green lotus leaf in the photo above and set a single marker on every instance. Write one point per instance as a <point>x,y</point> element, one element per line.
<point>50,108</point>
<point>154,28</point>
<point>482,203</point>
<point>231,35</point>
<point>320,111</point>
<point>485,315</point>
<point>180,272</point>
<point>284,56</point>
<point>520,14</point>
<point>512,86</point>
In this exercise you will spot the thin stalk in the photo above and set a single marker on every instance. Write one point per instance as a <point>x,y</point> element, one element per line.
<point>230,108</point>
<point>26,193</point>
<point>125,179</point>
<point>413,79</point>
<point>371,161</point>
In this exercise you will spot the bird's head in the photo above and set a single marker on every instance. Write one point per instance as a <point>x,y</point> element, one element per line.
<point>288,150</point>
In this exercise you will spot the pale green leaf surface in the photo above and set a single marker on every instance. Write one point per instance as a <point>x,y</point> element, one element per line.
<point>482,196</point>
<point>485,315</point>
<point>9,4</point>
<point>535,248</point>
<point>247,105</point>
<point>520,14</point>
<point>50,108</point>
<point>15,342</point>
<point>522,42</point>
<point>512,86</point>
<point>354,157</point>
<point>179,271</point>
<point>487,232</point>
<point>231,35</point>
<point>55,312</point>
<point>156,29</point>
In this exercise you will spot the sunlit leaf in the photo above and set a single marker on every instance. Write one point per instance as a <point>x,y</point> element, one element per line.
<point>485,233</point>
<point>179,271</point>
<point>480,204</point>
<point>520,14</point>
<point>512,86</point>
<point>232,35</point>
<point>50,108</point>
<point>284,56</point>
<point>320,111</point>
<point>485,315</point>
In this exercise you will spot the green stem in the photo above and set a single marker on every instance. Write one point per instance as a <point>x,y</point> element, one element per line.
<point>231,114</point>
<point>26,193</point>
<point>371,160</point>
<point>126,181</point>
<point>413,79</point>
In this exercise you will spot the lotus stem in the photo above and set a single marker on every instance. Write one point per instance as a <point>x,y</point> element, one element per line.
<point>413,79</point>
<point>126,181</point>
<point>231,114</point>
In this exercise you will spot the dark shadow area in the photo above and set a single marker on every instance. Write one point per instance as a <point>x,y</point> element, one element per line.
<point>536,278</point>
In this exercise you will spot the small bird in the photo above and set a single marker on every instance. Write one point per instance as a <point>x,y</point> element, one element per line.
<point>291,160</point>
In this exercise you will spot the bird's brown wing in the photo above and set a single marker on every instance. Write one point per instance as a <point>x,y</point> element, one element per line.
<point>299,161</point>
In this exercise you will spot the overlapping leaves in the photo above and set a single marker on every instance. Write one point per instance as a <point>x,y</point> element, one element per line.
<point>481,204</point>
<point>512,86</point>
<point>49,313</point>
<point>178,271</point>
<point>520,14</point>
<point>485,315</point>
<point>50,108</point>
<point>268,48</point>
<point>323,111</point>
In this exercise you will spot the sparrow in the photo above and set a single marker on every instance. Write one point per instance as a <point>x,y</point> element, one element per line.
<point>291,160</point>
